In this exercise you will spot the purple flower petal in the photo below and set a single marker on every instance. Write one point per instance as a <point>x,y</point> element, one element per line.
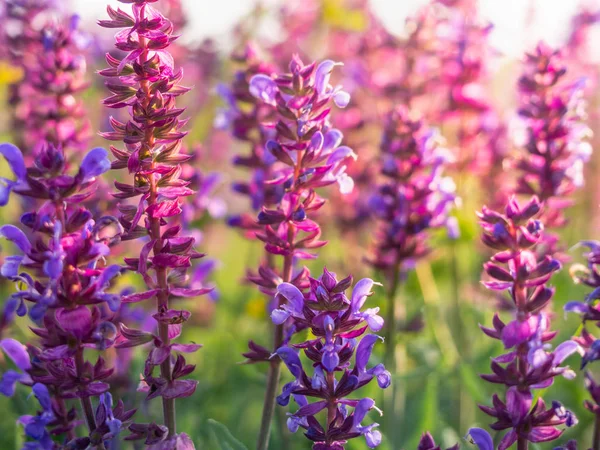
<point>311,409</point>
<point>278,316</point>
<point>564,350</point>
<point>363,351</point>
<point>341,99</point>
<point>362,408</point>
<point>17,352</point>
<point>373,438</point>
<point>15,160</point>
<point>9,381</point>
<point>508,440</point>
<point>291,359</point>
<point>263,88</point>
<point>180,389</point>
<point>361,291</point>
<point>94,163</point>
<point>16,236</point>
<point>10,266</point>
<point>576,307</point>
<point>481,439</point>
<point>518,404</point>
<point>517,332</point>
<point>544,434</point>
<point>330,358</point>
<point>293,295</point>
<point>323,74</point>
<point>333,138</point>
<point>375,321</point>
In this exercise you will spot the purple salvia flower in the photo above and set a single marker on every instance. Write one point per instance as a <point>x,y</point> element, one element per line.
<point>306,155</point>
<point>427,443</point>
<point>249,119</point>
<point>36,427</point>
<point>65,287</point>
<point>146,82</point>
<point>480,438</point>
<point>17,352</point>
<point>415,197</point>
<point>553,136</point>
<point>589,311</point>
<point>46,106</point>
<point>337,322</point>
<point>529,363</point>
<point>21,44</point>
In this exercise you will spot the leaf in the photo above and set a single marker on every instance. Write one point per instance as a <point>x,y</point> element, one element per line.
<point>223,436</point>
<point>471,382</point>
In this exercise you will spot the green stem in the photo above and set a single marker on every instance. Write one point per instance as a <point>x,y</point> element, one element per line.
<point>86,402</point>
<point>393,397</point>
<point>162,298</point>
<point>464,411</point>
<point>390,321</point>
<point>596,443</point>
<point>522,443</point>
<point>274,366</point>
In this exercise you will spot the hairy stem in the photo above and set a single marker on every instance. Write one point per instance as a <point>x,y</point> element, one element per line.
<point>390,322</point>
<point>464,410</point>
<point>596,442</point>
<point>274,365</point>
<point>331,404</point>
<point>162,298</point>
<point>86,402</point>
<point>392,396</point>
<point>522,443</point>
<point>62,408</point>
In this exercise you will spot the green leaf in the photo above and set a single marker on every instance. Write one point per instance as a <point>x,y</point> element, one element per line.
<point>425,410</point>
<point>472,382</point>
<point>223,436</point>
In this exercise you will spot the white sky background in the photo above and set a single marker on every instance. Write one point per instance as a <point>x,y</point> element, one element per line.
<point>215,18</point>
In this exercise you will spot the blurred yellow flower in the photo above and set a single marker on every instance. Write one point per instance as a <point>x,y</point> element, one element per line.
<point>9,74</point>
<point>256,308</point>
<point>337,15</point>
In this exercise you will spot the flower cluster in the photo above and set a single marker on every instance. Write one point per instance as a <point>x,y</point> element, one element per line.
<point>337,324</point>
<point>553,136</point>
<point>307,155</point>
<point>589,310</point>
<point>415,196</point>
<point>427,443</point>
<point>46,106</point>
<point>52,112</point>
<point>65,288</point>
<point>21,45</point>
<point>469,109</point>
<point>528,363</point>
<point>250,120</point>
<point>146,82</point>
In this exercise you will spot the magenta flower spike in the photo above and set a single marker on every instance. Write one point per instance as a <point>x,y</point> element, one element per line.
<point>146,83</point>
<point>21,44</point>
<point>250,120</point>
<point>528,363</point>
<point>414,198</point>
<point>56,115</point>
<point>64,285</point>
<point>589,311</point>
<point>553,137</point>
<point>339,325</point>
<point>47,108</point>
<point>306,155</point>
